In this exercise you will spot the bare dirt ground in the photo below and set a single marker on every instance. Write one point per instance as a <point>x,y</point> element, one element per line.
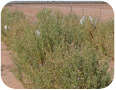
<point>6,65</point>
<point>101,11</point>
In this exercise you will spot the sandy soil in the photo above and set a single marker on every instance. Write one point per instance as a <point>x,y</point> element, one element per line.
<point>102,11</point>
<point>6,65</point>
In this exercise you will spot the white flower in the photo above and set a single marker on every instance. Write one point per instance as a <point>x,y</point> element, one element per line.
<point>90,18</point>
<point>45,11</point>
<point>51,13</point>
<point>5,27</point>
<point>37,31</point>
<point>82,20</point>
<point>78,70</point>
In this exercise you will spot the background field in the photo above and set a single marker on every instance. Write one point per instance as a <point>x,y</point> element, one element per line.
<point>101,11</point>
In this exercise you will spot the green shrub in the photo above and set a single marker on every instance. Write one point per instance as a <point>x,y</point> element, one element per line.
<point>14,22</point>
<point>65,54</point>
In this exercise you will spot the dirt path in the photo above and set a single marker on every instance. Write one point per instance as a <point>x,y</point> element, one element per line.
<point>6,65</point>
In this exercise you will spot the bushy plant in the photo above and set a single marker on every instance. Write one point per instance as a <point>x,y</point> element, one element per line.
<point>59,52</point>
<point>12,25</point>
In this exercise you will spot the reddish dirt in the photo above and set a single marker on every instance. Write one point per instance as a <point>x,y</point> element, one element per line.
<point>102,11</point>
<point>6,66</point>
<point>111,68</point>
